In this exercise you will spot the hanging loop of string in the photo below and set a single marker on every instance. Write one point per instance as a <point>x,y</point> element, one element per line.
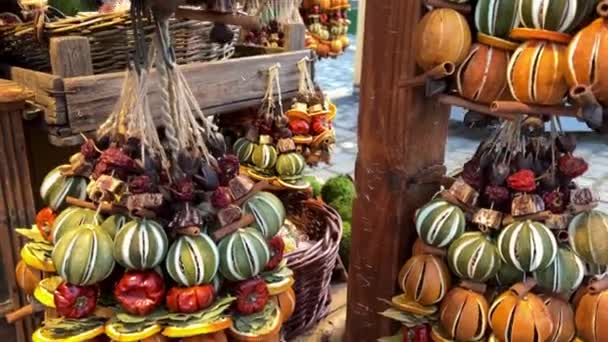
<point>268,109</point>
<point>306,85</point>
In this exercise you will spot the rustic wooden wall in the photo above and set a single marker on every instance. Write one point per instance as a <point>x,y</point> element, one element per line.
<point>400,134</point>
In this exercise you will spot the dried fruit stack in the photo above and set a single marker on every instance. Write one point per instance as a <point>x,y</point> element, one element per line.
<point>327,23</point>
<point>144,240</point>
<point>514,250</point>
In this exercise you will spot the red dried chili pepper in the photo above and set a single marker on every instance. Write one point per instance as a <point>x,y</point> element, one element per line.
<point>422,333</point>
<point>299,126</point>
<point>277,247</point>
<point>44,223</point>
<point>140,292</point>
<point>251,296</point>
<point>72,301</point>
<point>522,180</point>
<point>571,166</point>
<point>190,299</point>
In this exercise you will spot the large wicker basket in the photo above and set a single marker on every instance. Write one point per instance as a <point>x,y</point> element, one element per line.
<point>313,266</point>
<point>111,41</point>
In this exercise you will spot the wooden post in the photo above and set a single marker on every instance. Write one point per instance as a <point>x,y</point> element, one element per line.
<point>400,134</point>
<point>295,37</point>
<point>16,199</point>
<point>71,56</point>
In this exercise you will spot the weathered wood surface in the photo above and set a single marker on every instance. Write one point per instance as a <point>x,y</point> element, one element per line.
<point>47,89</point>
<point>71,56</point>
<point>90,99</point>
<point>400,134</point>
<point>295,37</point>
<point>245,21</point>
<point>16,198</point>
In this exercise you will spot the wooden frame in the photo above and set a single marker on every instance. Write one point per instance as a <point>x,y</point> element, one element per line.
<point>16,198</point>
<point>401,135</point>
<point>75,104</point>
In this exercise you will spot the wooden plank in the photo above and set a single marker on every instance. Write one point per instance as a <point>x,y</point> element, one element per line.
<point>90,99</point>
<point>63,137</point>
<point>400,134</point>
<point>16,198</point>
<point>295,36</point>
<point>71,56</point>
<point>244,21</point>
<point>47,88</point>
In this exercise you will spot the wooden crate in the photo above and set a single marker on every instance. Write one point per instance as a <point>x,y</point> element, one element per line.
<point>75,104</point>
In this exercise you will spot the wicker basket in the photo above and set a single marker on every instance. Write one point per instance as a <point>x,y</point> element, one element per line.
<point>313,266</point>
<point>111,40</point>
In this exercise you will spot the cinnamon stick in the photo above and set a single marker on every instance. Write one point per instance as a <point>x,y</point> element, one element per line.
<point>108,208</point>
<point>462,8</point>
<point>244,221</point>
<point>440,71</point>
<point>599,285</point>
<point>458,101</point>
<point>514,107</point>
<point>190,231</point>
<point>562,236</point>
<point>259,186</point>
<point>474,286</point>
<point>23,312</point>
<point>522,289</point>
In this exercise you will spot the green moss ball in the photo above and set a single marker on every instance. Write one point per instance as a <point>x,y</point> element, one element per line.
<point>336,187</point>
<point>315,184</point>
<point>345,243</point>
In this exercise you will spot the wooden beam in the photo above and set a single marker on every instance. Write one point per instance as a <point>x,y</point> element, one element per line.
<point>47,88</point>
<point>90,99</point>
<point>401,133</point>
<point>295,37</point>
<point>244,21</point>
<point>16,198</point>
<point>71,56</point>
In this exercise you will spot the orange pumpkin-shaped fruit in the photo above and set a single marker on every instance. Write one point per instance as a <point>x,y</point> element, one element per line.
<point>219,336</point>
<point>425,279</point>
<point>587,58</point>
<point>443,35</point>
<point>591,315</point>
<point>482,76</point>
<point>336,46</point>
<point>518,315</point>
<point>536,73</point>
<point>286,301</point>
<point>562,316</point>
<point>323,50</point>
<point>27,277</point>
<point>463,315</point>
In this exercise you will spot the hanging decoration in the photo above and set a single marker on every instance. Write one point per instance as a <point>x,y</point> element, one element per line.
<point>154,194</point>
<point>525,57</point>
<point>520,235</point>
<point>327,26</point>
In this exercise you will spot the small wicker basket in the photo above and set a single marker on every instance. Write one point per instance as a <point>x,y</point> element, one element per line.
<point>111,41</point>
<point>313,266</point>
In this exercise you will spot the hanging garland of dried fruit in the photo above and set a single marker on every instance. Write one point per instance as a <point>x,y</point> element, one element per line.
<point>521,57</point>
<point>327,26</point>
<point>512,251</point>
<point>144,226</point>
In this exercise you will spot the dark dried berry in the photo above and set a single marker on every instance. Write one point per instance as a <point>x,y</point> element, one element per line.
<point>228,168</point>
<point>499,174</point>
<point>207,177</point>
<point>88,150</point>
<point>183,190</point>
<point>555,201</point>
<point>221,198</point>
<point>571,166</point>
<point>472,174</point>
<point>141,184</point>
<point>497,194</point>
<point>566,143</point>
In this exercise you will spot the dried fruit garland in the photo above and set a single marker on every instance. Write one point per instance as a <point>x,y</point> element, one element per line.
<point>522,57</point>
<point>327,26</point>
<point>278,144</point>
<point>180,220</point>
<point>516,218</point>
